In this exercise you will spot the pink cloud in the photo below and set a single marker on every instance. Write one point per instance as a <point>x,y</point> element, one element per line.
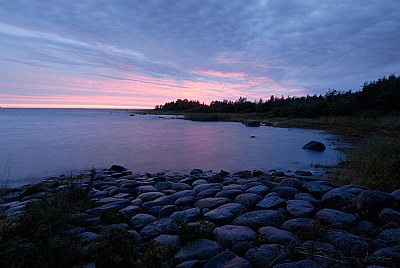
<point>220,74</point>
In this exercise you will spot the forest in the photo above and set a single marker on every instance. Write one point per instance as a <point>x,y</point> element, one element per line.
<point>376,98</point>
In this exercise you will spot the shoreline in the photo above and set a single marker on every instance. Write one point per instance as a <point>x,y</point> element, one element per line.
<point>251,218</point>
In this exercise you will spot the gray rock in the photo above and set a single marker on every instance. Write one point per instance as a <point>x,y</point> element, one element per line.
<point>249,200</point>
<point>163,226</point>
<point>337,199</point>
<point>236,238</point>
<point>212,202</point>
<point>180,187</point>
<point>291,182</point>
<point>163,185</point>
<point>227,259</point>
<point>198,182</point>
<point>285,191</point>
<point>268,255</point>
<point>225,213</point>
<point>150,196</point>
<point>229,193</point>
<point>201,187</point>
<point>389,256</point>
<point>307,197</point>
<point>100,194</point>
<point>389,216</point>
<point>369,203</point>
<point>299,264</point>
<point>185,201</point>
<point>188,215</point>
<point>130,211</point>
<point>113,205</point>
<point>116,191</point>
<point>300,226</point>
<point>390,237</point>
<point>163,211</point>
<point>349,244</point>
<point>272,235</point>
<point>184,193</point>
<point>336,219</point>
<point>300,208</point>
<point>207,193</point>
<point>260,189</point>
<point>316,189</point>
<point>260,218</point>
<point>270,201</point>
<point>234,186</point>
<point>145,189</point>
<point>199,249</point>
<point>171,242</point>
<point>161,201</point>
<point>315,146</point>
<point>140,220</point>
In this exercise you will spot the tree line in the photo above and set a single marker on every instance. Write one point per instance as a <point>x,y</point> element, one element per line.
<point>378,97</point>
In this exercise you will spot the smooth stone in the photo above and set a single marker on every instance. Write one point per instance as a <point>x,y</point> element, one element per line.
<point>184,193</point>
<point>336,219</point>
<point>363,228</point>
<point>73,231</point>
<point>300,208</point>
<point>150,196</point>
<point>212,202</point>
<point>291,182</point>
<point>130,211</point>
<point>268,255</point>
<point>201,187</point>
<point>196,171</point>
<point>272,235</point>
<point>199,182</point>
<point>225,213</point>
<point>389,256</point>
<point>163,185</point>
<point>260,218</point>
<point>369,203</point>
<point>389,216</point>
<point>307,197</point>
<point>180,187</point>
<point>285,191</point>
<point>349,244</point>
<point>163,211</point>
<point>299,225</point>
<point>115,226</point>
<point>227,259</point>
<point>259,189</point>
<point>140,220</point>
<point>234,186</point>
<point>199,249</point>
<point>100,194</point>
<point>229,193</point>
<point>161,201</point>
<point>304,173</point>
<point>249,200</point>
<point>246,174</point>
<point>145,189</point>
<point>185,201</point>
<point>316,189</point>
<point>236,238</point>
<point>337,199</point>
<point>172,242</point>
<point>247,185</point>
<point>270,201</point>
<point>299,264</point>
<point>207,193</point>
<point>113,205</point>
<point>315,146</point>
<point>188,215</point>
<point>163,226</point>
<point>117,168</point>
<point>116,191</point>
<point>389,237</point>
<point>188,180</point>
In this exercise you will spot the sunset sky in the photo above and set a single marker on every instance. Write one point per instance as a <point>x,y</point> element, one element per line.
<point>136,54</point>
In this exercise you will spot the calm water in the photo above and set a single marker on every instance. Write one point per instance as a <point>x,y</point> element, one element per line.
<point>39,143</point>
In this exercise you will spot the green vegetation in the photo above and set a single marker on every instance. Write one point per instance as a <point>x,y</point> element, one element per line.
<point>374,162</point>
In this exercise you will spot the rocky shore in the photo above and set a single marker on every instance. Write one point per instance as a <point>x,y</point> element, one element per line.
<point>246,219</point>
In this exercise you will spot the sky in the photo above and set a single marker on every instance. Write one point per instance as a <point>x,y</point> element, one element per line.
<point>137,54</point>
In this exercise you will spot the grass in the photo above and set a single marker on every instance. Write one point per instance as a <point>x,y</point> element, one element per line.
<point>374,162</point>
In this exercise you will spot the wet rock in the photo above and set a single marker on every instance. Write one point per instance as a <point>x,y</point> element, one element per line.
<point>300,208</point>
<point>349,244</point>
<point>236,238</point>
<point>268,255</point>
<point>163,226</point>
<point>307,197</point>
<point>199,249</point>
<point>199,182</point>
<point>184,193</point>
<point>389,216</point>
<point>140,220</point>
<point>227,259</point>
<point>260,189</point>
<point>163,185</point>
<point>337,199</point>
<point>260,218</point>
<point>369,203</point>
<point>185,201</point>
<point>130,211</point>
<point>163,211</point>
<point>271,200</point>
<point>150,196</point>
<point>207,193</point>
<point>299,264</point>
<point>188,215</point>
<point>202,187</point>
<point>161,201</point>
<point>336,219</point>
<point>299,225</point>
<point>315,146</point>
<point>180,187</point>
<point>145,189</point>
<point>225,213</point>
<point>316,189</point>
<point>212,203</point>
<point>291,182</point>
<point>272,235</point>
<point>389,256</point>
<point>229,193</point>
<point>285,191</point>
<point>171,242</point>
<point>249,200</point>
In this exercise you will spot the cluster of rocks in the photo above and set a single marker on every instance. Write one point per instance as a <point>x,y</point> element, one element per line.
<point>257,219</point>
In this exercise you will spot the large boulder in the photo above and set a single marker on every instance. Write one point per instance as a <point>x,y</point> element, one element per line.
<point>369,203</point>
<point>212,202</point>
<point>270,201</point>
<point>272,235</point>
<point>199,249</point>
<point>316,189</point>
<point>140,220</point>
<point>350,245</point>
<point>163,226</point>
<point>249,200</point>
<point>260,218</point>
<point>236,238</point>
<point>315,146</point>
<point>336,219</point>
<point>171,242</point>
<point>300,208</point>
<point>337,199</point>
<point>225,213</point>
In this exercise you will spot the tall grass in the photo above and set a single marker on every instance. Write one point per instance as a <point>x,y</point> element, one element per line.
<point>374,162</point>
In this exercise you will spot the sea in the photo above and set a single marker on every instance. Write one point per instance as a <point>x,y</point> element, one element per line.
<point>36,144</point>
